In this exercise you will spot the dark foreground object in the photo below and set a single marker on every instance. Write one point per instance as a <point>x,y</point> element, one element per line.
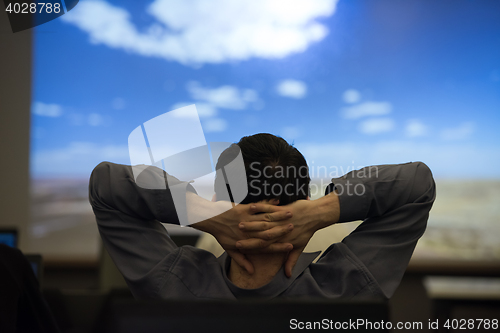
<point>22,306</point>
<point>124,316</point>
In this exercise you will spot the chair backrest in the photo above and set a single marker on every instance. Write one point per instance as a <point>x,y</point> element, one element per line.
<point>36,262</point>
<point>122,315</point>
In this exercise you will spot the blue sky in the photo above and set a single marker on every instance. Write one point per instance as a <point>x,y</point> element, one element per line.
<point>351,83</point>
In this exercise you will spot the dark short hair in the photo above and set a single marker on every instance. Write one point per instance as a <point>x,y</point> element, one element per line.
<point>274,170</point>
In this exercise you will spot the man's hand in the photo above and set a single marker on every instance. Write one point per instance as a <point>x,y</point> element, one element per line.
<point>308,217</point>
<point>225,228</point>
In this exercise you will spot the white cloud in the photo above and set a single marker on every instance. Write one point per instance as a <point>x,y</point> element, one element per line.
<point>199,31</point>
<point>118,103</point>
<point>376,126</point>
<point>47,110</point>
<point>228,97</point>
<point>445,160</point>
<point>214,125</point>
<point>351,96</point>
<point>366,109</point>
<point>77,158</point>
<point>415,128</point>
<point>95,119</point>
<point>210,99</point>
<point>205,110</point>
<point>76,119</point>
<point>461,132</point>
<point>290,133</point>
<point>292,88</point>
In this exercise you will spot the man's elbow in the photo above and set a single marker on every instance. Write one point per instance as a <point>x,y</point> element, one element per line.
<point>424,185</point>
<point>98,179</point>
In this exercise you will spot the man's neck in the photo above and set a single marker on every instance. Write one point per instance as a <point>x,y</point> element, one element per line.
<point>266,267</point>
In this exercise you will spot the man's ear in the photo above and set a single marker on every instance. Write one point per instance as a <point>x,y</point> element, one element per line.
<point>214,197</point>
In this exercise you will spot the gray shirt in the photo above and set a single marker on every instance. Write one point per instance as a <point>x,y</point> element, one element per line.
<point>392,200</point>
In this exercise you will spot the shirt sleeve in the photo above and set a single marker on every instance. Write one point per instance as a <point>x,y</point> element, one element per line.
<point>128,217</point>
<point>394,203</point>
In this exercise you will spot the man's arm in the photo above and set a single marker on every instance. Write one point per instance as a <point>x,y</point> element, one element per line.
<point>393,200</point>
<point>127,215</point>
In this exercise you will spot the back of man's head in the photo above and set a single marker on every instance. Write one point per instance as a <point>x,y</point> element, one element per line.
<point>274,170</point>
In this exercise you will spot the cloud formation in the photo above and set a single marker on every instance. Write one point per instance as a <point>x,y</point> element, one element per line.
<point>351,96</point>
<point>461,132</point>
<point>209,100</point>
<point>445,160</point>
<point>77,158</point>
<point>291,133</point>
<point>205,110</point>
<point>215,125</point>
<point>366,109</point>
<point>228,97</point>
<point>415,128</point>
<point>292,88</point>
<point>118,103</point>
<point>95,119</point>
<point>376,126</point>
<point>199,31</point>
<point>47,110</point>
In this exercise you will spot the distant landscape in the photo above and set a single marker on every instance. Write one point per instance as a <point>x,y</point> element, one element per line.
<point>464,222</point>
<point>348,83</point>
<point>63,225</point>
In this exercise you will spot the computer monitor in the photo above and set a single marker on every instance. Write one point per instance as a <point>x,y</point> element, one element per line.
<point>8,236</point>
